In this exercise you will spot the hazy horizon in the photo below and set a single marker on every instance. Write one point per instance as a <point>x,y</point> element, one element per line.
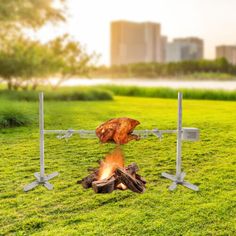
<point>89,21</point>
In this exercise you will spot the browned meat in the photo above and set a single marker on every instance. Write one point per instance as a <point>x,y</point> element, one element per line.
<point>118,130</point>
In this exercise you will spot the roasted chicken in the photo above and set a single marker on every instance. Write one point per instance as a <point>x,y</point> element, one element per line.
<point>118,130</point>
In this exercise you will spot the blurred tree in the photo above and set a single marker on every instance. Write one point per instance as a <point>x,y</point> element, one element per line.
<point>24,63</point>
<point>76,61</point>
<point>21,58</point>
<point>30,13</point>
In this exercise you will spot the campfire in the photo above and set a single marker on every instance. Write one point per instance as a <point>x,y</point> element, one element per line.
<point>112,173</point>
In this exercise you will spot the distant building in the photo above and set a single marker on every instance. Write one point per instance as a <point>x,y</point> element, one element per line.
<point>135,42</point>
<point>227,52</point>
<point>164,41</point>
<point>184,49</point>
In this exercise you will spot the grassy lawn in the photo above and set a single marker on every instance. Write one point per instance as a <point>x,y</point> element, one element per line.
<point>71,210</point>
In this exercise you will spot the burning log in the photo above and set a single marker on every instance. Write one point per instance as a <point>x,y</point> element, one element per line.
<point>88,180</point>
<point>104,186</point>
<point>132,168</point>
<point>131,182</point>
<point>140,178</point>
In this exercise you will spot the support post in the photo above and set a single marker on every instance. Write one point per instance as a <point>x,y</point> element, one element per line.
<point>40,177</point>
<point>41,131</point>
<point>178,178</point>
<point>179,138</point>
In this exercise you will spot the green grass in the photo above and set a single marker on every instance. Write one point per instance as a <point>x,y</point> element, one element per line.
<point>105,93</point>
<point>61,94</point>
<point>71,210</point>
<point>161,92</point>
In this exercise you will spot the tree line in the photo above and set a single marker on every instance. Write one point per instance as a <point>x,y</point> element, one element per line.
<point>152,70</point>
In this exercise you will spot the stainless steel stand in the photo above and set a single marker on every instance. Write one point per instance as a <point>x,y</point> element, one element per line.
<point>189,134</point>
<point>41,178</point>
<point>178,178</point>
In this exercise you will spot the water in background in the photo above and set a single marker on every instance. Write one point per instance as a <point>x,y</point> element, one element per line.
<point>197,84</point>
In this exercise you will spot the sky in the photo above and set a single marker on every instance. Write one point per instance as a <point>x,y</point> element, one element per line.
<point>89,21</point>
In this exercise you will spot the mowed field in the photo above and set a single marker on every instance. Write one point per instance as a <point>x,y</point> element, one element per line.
<point>71,210</point>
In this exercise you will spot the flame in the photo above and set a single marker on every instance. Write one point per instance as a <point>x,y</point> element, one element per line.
<point>112,161</point>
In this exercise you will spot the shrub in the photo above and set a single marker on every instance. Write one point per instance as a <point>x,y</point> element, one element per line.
<point>81,94</point>
<point>13,116</point>
<point>172,93</point>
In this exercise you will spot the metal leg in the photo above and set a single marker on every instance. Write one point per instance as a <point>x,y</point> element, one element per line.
<point>48,185</point>
<point>41,181</point>
<point>181,181</point>
<point>37,176</point>
<point>31,186</point>
<point>191,186</point>
<point>168,176</point>
<point>173,186</point>
<point>54,174</point>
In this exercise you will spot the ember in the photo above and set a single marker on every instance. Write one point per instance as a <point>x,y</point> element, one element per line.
<point>112,175</point>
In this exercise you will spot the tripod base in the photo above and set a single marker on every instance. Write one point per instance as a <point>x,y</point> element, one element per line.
<point>180,180</point>
<point>41,181</point>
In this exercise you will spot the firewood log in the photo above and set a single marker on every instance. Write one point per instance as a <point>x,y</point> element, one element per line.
<point>140,178</point>
<point>87,181</point>
<point>132,183</point>
<point>132,168</point>
<point>104,186</point>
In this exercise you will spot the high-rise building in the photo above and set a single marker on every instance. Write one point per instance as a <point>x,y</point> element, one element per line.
<point>184,49</point>
<point>135,42</point>
<point>164,41</point>
<point>228,52</point>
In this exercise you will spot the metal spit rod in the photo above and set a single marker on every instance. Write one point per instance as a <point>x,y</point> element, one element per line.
<point>91,133</point>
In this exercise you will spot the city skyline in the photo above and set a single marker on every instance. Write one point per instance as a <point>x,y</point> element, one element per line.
<point>89,21</point>
<point>133,42</point>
